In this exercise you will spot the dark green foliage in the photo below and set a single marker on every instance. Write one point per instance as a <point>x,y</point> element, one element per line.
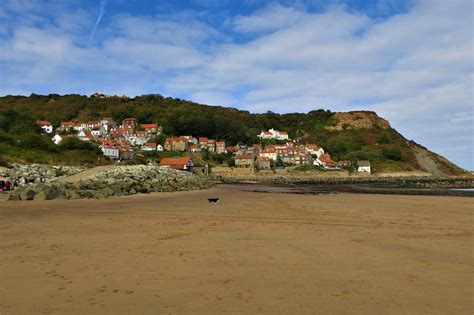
<point>73,143</point>
<point>21,138</point>
<point>383,138</point>
<point>392,153</point>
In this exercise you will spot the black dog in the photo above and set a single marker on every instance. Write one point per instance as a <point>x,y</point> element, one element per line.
<point>213,200</point>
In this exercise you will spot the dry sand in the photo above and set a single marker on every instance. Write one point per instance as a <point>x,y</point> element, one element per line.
<point>269,253</point>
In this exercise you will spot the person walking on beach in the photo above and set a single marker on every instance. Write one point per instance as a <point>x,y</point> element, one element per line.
<point>2,184</point>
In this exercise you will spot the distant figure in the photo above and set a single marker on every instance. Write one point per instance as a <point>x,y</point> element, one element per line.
<point>2,184</point>
<point>213,200</point>
<point>43,180</point>
<point>26,181</point>
<point>16,183</point>
<point>8,185</point>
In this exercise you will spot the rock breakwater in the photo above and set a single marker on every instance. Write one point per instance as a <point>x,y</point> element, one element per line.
<point>117,181</point>
<point>35,172</point>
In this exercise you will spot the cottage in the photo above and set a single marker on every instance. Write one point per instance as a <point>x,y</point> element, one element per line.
<point>211,145</point>
<point>179,163</point>
<point>244,160</point>
<point>301,158</point>
<point>45,126</point>
<point>281,135</point>
<point>111,151</point>
<point>313,149</point>
<point>273,134</point>
<point>363,166</point>
<point>129,123</point>
<point>66,126</point>
<point>86,135</point>
<point>176,144</point>
<point>325,160</point>
<point>194,148</point>
<point>96,132</point>
<point>126,152</point>
<point>149,146</point>
<point>263,163</point>
<point>220,147</point>
<point>151,128</point>
<point>272,154</point>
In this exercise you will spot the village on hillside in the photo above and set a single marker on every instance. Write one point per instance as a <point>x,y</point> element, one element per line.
<point>123,141</point>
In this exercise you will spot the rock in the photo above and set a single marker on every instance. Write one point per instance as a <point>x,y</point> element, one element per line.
<point>54,192</point>
<point>27,194</point>
<point>117,181</point>
<point>14,197</point>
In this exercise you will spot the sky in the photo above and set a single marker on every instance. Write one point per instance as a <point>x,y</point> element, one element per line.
<point>411,61</point>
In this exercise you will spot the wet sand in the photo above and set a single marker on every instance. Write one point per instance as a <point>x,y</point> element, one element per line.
<point>270,253</point>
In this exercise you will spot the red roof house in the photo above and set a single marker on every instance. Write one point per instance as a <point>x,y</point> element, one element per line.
<point>178,163</point>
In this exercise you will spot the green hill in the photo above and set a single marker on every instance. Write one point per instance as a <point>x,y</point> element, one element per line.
<point>346,136</point>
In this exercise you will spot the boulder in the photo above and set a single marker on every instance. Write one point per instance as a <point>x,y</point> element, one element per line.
<point>28,194</point>
<point>53,192</point>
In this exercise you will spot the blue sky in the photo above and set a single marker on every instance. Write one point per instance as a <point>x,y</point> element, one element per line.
<point>410,61</point>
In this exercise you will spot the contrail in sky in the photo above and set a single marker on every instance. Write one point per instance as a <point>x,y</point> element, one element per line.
<point>103,3</point>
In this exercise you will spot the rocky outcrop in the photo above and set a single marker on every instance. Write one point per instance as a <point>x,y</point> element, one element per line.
<point>35,172</point>
<point>359,120</point>
<point>117,181</point>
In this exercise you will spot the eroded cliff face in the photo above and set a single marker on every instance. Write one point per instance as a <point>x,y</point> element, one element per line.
<point>358,120</point>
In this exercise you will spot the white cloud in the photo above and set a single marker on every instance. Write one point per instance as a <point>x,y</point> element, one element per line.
<point>415,68</point>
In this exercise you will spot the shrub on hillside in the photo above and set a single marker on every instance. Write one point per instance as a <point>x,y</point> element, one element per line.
<point>73,143</point>
<point>392,153</point>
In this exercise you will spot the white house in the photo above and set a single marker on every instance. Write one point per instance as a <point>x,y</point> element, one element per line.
<point>46,126</point>
<point>57,139</point>
<point>96,132</point>
<point>273,134</point>
<point>149,146</point>
<point>281,135</point>
<point>269,153</point>
<point>363,166</point>
<point>314,150</point>
<point>111,152</point>
<point>265,135</point>
<point>159,147</point>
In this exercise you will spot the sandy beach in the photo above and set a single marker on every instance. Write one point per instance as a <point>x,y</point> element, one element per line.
<point>253,252</point>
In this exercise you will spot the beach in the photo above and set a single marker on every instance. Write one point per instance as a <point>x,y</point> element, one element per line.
<point>267,252</point>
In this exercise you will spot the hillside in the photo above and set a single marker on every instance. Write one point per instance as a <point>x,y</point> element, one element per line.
<point>346,136</point>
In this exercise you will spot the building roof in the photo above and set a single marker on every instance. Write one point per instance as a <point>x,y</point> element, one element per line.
<point>263,158</point>
<point>43,123</point>
<point>150,145</point>
<point>363,163</point>
<point>147,126</point>
<point>244,156</point>
<point>175,161</point>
